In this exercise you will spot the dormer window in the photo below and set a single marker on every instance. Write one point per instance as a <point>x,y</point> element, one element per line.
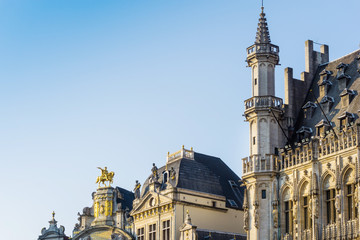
<point>309,108</point>
<point>346,120</point>
<point>321,128</point>
<point>346,97</point>
<point>165,176</point>
<point>304,133</point>
<point>341,76</point>
<point>326,103</point>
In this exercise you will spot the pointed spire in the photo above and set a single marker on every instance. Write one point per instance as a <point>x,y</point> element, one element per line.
<point>53,221</point>
<point>262,34</point>
<point>188,218</point>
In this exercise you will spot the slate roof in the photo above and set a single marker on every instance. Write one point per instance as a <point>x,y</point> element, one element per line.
<point>125,198</point>
<point>352,73</point>
<point>205,174</point>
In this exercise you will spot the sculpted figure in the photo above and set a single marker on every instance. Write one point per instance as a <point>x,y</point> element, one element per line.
<point>316,206</point>
<point>105,176</point>
<point>275,217</point>
<point>172,173</point>
<point>246,219</point>
<point>337,203</point>
<point>155,175</point>
<point>137,189</point>
<point>256,216</point>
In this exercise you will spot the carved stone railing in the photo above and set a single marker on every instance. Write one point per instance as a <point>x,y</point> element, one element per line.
<point>262,48</point>
<point>287,237</point>
<point>292,157</point>
<point>183,153</point>
<point>257,163</point>
<point>344,140</point>
<point>263,102</point>
<point>350,229</point>
<point>306,234</point>
<point>329,231</point>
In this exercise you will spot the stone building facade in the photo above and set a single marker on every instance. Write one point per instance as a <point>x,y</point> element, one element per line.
<point>193,184</point>
<point>302,175</point>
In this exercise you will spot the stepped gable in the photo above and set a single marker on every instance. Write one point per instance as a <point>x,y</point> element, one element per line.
<point>337,109</point>
<point>205,174</point>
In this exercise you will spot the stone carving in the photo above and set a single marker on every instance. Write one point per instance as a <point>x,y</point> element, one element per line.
<point>256,216</point>
<point>246,219</point>
<point>275,214</point>
<point>105,177</point>
<point>155,174</point>
<point>96,209</point>
<point>137,189</point>
<point>172,173</point>
<point>310,207</point>
<point>356,196</point>
<point>295,212</point>
<point>337,203</point>
<point>87,211</point>
<point>316,206</point>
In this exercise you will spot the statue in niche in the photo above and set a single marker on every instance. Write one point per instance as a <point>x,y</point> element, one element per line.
<point>137,189</point>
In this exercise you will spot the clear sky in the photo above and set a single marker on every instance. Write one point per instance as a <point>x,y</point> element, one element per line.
<point>120,83</point>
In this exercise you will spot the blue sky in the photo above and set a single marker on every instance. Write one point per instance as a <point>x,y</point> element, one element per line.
<point>120,83</point>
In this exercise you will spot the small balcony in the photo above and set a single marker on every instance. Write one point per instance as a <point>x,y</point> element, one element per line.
<point>262,48</point>
<point>264,102</point>
<point>256,163</point>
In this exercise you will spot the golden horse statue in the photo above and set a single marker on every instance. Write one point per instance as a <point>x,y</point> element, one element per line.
<point>105,177</point>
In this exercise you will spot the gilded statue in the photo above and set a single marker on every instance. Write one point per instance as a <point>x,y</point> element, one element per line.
<point>137,189</point>
<point>105,177</point>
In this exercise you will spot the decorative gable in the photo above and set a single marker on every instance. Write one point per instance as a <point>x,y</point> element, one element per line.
<point>309,108</point>
<point>341,76</point>
<point>346,97</point>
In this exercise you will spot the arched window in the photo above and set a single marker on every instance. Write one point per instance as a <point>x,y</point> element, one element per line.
<point>329,200</point>
<point>349,195</point>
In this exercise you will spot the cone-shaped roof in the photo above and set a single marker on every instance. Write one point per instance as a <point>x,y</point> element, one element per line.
<point>262,34</point>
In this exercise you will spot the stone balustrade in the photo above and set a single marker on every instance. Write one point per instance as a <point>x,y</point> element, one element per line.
<point>306,234</point>
<point>348,230</point>
<point>183,153</point>
<point>257,163</point>
<point>263,102</point>
<point>287,237</point>
<point>262,48</point>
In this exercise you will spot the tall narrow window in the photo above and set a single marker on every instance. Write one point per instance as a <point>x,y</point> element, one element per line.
<point>350,202</point>
<point>288,214</point>
<point>140,234</point>
<point>255,80</point>
<point>152,231</point>
<point>166,230</point>
<point>254,140</point>
<point>305,209</point>
<point>330,206</point>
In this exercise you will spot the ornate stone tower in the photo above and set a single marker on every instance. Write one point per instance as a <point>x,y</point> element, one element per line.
<point>264,112</point>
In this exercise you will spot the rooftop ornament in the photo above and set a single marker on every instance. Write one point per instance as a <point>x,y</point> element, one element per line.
<point>105,177</point>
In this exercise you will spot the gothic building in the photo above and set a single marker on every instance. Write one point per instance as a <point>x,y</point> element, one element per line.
<point>302,175</point>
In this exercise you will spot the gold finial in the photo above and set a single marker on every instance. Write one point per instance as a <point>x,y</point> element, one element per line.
<point>191,148</point>
<point>106,176</point>
<point>187,211</point>
<point>168,153</point>
<point>183,146</point>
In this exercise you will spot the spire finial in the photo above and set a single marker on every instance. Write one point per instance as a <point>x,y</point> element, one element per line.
<point>53,215</point>
<point>262,6</point>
